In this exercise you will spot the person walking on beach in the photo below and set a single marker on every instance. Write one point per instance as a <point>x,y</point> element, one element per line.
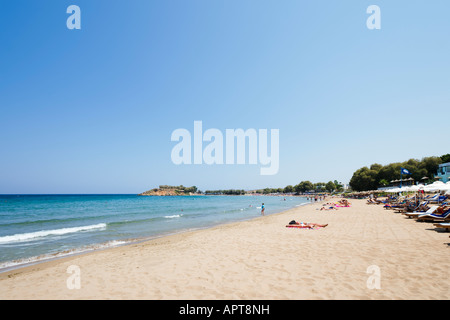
<point>262,209</point>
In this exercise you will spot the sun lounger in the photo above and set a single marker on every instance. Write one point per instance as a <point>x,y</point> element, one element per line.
<point>416,214</point>
<point>395,205</point>
<point>445,225</point>
<point>371,201</point>
<point>434,198</point>
<point>405,209</point>
<point>433,216</point>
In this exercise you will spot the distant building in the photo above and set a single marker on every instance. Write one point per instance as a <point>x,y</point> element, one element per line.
<point>444,172</point>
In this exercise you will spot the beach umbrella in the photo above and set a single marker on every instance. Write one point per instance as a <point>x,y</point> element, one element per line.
<point>414,188</point>
<point>435,186</point>
<point>431,188</point>
<point>406,189</point>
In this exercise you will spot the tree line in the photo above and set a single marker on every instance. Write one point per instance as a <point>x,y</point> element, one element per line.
<point>302,187</point>
<point>306,186</point>
<point>178,189</point>
<point>377,175</point>
<point>233,192</point>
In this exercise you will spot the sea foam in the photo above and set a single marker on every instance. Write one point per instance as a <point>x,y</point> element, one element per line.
<point>21,237</point>
<point>174,216</point>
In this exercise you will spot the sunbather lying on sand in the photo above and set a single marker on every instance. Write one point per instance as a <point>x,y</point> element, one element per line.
<point>343,203</point>
<point>295,224</point>
<point>329,206</point>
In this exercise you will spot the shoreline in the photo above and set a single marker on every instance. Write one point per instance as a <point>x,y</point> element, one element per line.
<point>14,270</point>
<point>36,260</point>
<point>258,259</point>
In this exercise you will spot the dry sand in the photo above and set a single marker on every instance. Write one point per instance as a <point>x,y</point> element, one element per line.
<point>260,259</point>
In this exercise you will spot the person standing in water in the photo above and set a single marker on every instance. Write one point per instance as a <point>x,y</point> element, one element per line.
<point>262,209</point>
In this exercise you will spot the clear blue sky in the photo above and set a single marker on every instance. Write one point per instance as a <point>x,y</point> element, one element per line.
<point>92,110</point>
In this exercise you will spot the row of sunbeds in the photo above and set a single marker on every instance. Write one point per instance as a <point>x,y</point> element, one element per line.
<point>434,209</point>
<point>394,202</point>
<point>439,214</point>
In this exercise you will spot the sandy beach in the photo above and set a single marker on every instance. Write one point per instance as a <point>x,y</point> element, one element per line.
<point>259,259</point>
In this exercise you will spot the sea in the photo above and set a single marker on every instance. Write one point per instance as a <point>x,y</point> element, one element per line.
<point>35,228</point>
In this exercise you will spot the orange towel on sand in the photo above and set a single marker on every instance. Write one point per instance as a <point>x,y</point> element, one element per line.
<point>298,226</point>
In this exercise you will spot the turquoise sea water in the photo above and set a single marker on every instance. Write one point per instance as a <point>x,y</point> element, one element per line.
<point>38,227</point>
